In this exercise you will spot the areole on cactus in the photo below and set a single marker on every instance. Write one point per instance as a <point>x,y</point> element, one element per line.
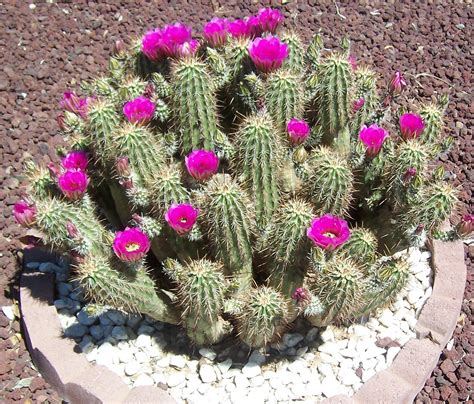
<point>233,183</point>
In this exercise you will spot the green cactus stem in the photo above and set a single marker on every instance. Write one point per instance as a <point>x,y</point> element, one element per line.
<point>284,97</point>
<point>262,317</point>
<point>258,156</point>
<point>330,180</point>
<point>365,82</point>
<point>287,245</point>
<point>229,218</point>
<point>123,289</point>
<point>295,60</point>
<point>194,105</point>
<point>201,288</point>
<point>432,115</point>
<point>168,188</point>
<point>361,246</point>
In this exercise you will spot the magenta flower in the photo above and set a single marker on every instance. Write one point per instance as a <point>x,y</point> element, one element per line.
<point>328,232</point>
<point>397,83</point>
<point>358,104</point>
<point>181,218</point>
<point>24,213</point>
<point>411,126</point>
<point>73,184</point>
<point>202,164</point>
<point>75,160</point>
<point>215,31</point>
<point>301,295</point>
<point>187,49</point>
<point>466,225</point>
<point>268,53</point>
<point>269,19</point>
<point>239,29</point>
<point>255,28</point>
<point>353,62</point>
<point>139,110</point>
<point>173,36</point>
<point>131,245</point>
<point>373,138</point>
<point>298,131</point>
<point>152,45</point>
<point>72,103</point>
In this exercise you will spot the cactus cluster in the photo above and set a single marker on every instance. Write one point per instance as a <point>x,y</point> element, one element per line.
<point>233,183</point>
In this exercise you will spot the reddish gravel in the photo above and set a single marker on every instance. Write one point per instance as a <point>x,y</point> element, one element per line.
<point>48,48</point>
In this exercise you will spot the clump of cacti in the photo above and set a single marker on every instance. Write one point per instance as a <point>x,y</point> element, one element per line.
<point>233,183</point>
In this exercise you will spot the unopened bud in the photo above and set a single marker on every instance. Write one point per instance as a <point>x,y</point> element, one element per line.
<point>122,166</point>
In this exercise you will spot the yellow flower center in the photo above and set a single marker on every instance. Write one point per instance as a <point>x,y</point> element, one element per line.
<point>328,234</point>
<point>130,247</point>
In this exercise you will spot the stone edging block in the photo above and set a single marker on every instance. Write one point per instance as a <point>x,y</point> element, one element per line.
<point>79,381</point>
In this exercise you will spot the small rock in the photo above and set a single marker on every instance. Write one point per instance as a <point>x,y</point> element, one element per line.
<point>326,370</point>
<point>297,366</point>
<point>132,368</point>
<point>84,318</point>
<point>126,355</point>
<point>207,373</point>
<point>175,379</point>
<point>208,353</point>
<point>60,304</point>
<point>177,361</point>
<point>32,265</point>
<point>75,330</point>
<point>414,295</point>
<point>117,317</point>
<point>301,351</point>
<point>164,362</point>
<point>133,320</point>
<point>105,320</point>
<point>241,382</point>
<point>348,377</point>
<point>331,387</point>
<point>328,347</point>
<point>225,365</point>
<point>290,340</point>
<point>119,333</point>
<point>143,341</point>
<point>251,369</point>
<point>327,335</point>
<point>282,393</point>
<point>391,353</point>
<point>257,381</point>
<point>63,288</point>
<point>145,329</point>
<point>142,357</point>
<point>48,267</point>
<point>143,380</point>
<point>97,332</point>
<point>257,357</point>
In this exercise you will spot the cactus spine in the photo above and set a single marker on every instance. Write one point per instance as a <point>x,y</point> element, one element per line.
<point>361,247</point>
<point>295,60</point>
<point>432,115</point>
<point>365,81</point>
<point>168,189</point>
<point>287,245</point>
<point>329,185</point>
<point>284,97</point>
<point>194,105</point>
<point>123,289</point>
<point>228,216</point>
<point>258,154</point>
<point>263,316</point>
<point>333,97</point>
<point>340,287</point>
<point>103,121</point>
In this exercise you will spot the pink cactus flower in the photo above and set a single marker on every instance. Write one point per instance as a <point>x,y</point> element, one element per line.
<point>72,103</point>
<point>239,29</point>
<point>181,217</point>
<point>397,83</point>
<point>72,231</point>
<point>268,53</point>
<point>358,104</point>
<point>328,232</point>
<point>411,126</point>
<point>409,174</point>
<point>353,62</point>
<point>152,45</point>
<point>269,19</point>
<point>73,184</point>
<point>187,49</point>
<point>466,225</point>
<point>75,160</point>
<point>255,28</point>
<point>301,295</point>
<point>298,131</point>
<point>215,31</point>
<point>173,36</point>
<point>140,110</point>
<point>131,245</point>
<point>24,213</point>
<point>202,164</point>
<point>372,137</point>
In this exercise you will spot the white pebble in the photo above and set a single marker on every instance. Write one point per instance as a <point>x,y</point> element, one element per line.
<point>208,353</point>
<point>251,369</point>
<point>132,368</point>
<point>143,380</point>
<point>207,373</point>
<point>175,379</point>
<point>143,341</point>
<point>177,361</point>
<point>241,382</point>
<point>391,353</point>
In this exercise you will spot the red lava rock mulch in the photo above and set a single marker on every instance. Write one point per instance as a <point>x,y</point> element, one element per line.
<point>48,48</point>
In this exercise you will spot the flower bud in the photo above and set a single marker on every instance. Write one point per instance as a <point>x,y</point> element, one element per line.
<point>358,104</point>
<point>397,83</point>
<point>466,225</point>
<point>72,231</point>
<point>119,47</point>
<point>122,167</point>
<point>24,213</point>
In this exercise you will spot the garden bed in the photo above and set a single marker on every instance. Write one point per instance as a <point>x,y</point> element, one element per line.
<point>400,382</point>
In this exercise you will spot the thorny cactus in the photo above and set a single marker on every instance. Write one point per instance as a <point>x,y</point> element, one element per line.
<point>232,183</point>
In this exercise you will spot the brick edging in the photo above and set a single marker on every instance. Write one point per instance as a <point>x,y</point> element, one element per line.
<point>81,382</point>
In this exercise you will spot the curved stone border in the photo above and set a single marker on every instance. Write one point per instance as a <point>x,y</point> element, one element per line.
<point>81,382</point>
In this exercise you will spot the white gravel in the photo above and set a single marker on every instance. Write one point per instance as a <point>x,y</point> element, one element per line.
<point>309,365</point>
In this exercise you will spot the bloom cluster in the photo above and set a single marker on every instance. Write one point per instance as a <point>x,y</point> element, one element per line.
<point>173,40</point>
<point>217,30</point>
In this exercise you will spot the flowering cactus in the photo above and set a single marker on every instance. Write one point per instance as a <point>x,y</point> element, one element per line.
<point>270,159</point>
